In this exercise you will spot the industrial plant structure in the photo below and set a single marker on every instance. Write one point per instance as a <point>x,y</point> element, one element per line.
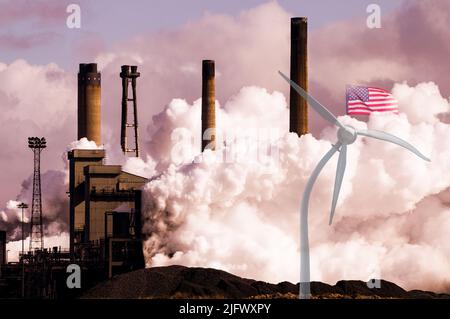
<point>129,74</point>
<point>105,202</point>
<point>105,210</point>
<point>104,213</point>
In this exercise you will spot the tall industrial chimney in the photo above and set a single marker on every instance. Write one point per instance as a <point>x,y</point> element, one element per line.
<point>81,108</point>
<point>298,118</point>
<point>89,103</point>
<point>208,106</point>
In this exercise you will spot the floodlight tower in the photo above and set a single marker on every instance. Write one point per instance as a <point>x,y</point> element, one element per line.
<point>36,231</point>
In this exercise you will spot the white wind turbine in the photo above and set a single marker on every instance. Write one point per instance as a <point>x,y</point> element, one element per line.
<point>346,135</point>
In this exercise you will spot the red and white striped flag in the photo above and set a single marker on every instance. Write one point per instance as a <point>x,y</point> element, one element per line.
<point>362,100</point>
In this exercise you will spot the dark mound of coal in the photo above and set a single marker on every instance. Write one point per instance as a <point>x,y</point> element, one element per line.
<point>185,282</point>
<point>179,281</point>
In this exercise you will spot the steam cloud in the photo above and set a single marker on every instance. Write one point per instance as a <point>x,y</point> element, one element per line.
<point>55,207</point>
<point>243,216</point>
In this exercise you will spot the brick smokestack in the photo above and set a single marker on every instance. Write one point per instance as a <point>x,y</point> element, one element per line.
<point>89,103</point>
<point>208,105</point>
<point>298,118</point>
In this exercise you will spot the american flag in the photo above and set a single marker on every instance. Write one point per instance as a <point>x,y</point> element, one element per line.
<point>365,100</point>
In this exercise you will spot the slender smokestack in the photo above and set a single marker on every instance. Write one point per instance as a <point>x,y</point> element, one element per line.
<point>208,106</point>
<point>81,106</point>
<point>298,119</point>
<point>89,106</point>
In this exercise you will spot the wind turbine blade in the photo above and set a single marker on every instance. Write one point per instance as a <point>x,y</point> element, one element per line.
<point>319,108</point>
<point>305,292</point>
<point>393,139</point>
<point>340,170</point>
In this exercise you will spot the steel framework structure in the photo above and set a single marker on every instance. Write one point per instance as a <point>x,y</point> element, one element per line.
<point>36,231</point>
<point>128,76</point>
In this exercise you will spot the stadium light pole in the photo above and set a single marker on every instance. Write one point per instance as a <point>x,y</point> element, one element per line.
<point>36,230</point>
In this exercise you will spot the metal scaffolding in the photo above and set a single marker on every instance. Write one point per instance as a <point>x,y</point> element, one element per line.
<point>127,77</point>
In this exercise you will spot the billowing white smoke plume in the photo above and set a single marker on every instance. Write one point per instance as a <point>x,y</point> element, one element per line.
<point>82,144</point>
<point>243,216</point>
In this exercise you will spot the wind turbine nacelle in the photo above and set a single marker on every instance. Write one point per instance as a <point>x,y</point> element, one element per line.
<point>346,135</point>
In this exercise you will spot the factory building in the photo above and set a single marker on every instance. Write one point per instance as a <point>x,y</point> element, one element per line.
<point>105,212</point>
<point>105,202</point>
